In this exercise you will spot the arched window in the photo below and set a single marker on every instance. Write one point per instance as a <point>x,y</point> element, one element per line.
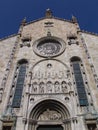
<point>19,83</point>
<point>75,61</point>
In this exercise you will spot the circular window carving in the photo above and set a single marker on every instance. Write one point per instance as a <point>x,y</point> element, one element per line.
<point>48,47</point>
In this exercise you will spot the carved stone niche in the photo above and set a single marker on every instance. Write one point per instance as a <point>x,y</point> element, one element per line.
<point>64,87</point>
<point>25,41</point>
<point>72,39</point>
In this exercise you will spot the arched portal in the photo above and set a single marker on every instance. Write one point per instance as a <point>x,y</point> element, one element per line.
<point>49,115</point>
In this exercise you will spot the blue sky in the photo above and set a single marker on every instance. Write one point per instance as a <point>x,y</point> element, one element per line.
<point>13,11</point>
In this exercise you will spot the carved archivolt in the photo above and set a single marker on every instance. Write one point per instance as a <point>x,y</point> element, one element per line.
<point>49,110</point>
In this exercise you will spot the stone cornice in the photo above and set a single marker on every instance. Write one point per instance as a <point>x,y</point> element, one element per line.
<point>6,37</point>
<point>91,33</point>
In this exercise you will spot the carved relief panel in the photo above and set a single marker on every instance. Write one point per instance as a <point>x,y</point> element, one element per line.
<point>50,115</point>
<point>50,76</point>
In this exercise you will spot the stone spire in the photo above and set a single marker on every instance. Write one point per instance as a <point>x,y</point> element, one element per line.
<point>74,19</point>
<point>48,13</point>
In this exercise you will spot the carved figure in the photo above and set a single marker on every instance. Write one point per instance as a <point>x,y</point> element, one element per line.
<point>41,87</point>
<point>49,86</point>
<point>57,87</point>
<point>69,83</point>
<point>34,87</point>
<point>64,86</point>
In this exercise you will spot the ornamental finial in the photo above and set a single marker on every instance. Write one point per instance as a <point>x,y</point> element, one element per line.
<point>74,19</point>
<point>48,13</point>
<point>23,21</point>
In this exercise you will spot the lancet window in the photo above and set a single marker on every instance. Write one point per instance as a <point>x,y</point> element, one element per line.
<point>19,84</point>
<point>76,64</point>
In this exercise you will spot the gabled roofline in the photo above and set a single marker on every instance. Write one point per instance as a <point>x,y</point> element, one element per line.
<point>70,21</point>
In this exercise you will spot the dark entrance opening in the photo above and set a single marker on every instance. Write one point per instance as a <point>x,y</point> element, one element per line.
<point>6,127</point>
<point>50,127</point>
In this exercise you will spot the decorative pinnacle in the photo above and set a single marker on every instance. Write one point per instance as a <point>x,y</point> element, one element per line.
<point>74,19</point>
<point>48,13</point>
<point>23,21</point>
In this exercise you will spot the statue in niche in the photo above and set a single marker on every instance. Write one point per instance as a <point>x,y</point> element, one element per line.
<point>69,83</point>
<point>41,87</point>
<point>49,87</point>
<point>50,115</point>
<point>57,87</point>
<point>34,87</point>
<point>64,86</point>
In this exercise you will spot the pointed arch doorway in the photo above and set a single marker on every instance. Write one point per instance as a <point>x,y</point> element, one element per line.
<point>49,115</point>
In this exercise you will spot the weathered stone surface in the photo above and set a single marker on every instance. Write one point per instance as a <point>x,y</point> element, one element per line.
<point>49,81</point>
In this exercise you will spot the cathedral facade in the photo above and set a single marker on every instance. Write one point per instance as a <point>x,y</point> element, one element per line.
<point>49,76</point>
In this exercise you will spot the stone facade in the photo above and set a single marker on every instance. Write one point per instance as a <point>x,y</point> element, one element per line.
<point>48,96</point>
